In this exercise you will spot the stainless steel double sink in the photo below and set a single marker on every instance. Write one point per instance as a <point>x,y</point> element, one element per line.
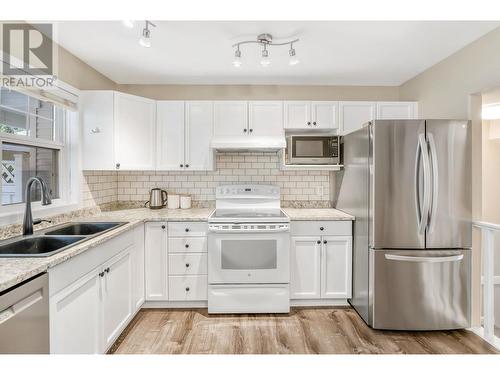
<point>55,239</point>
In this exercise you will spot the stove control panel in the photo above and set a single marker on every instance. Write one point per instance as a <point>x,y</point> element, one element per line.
<point>253,191</point>
<point>249,227</point>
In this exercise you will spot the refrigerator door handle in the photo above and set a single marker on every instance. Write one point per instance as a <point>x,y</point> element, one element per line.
<point>406,258</point>
<point>424,152</point>
<point>435,182</point>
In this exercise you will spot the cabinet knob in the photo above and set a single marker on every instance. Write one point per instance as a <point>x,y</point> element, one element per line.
<point>314,123</point>
<point>106,270</point>
<point>318,242</point>
<point>117,165</point>
<point>186,245</point>
<point>187,265</point>
<point>95,130</point>
<point>187,165</point>
<point>321,228</point>
<point>187,289</point>
<point>163,227</point>
<point>101,274</point>
<point>251,130</point>
<point>325,241</point>
<point>244,130</point>
<point>309,123</point>
<point>187,229</point>
<point>182,165</point>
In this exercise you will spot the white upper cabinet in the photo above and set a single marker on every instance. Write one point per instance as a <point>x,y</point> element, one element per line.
<point>307,115</point>
<point>134,132</point>
<point>297,114</point>
<point>184,131</point>
<point>198,133</point>
<point>230,118</point>
<point>324,115</point>
<point>397,110</point>
<point>352,115</point>
<point>265,118</point>
<point>170,135</point>
<point>97,119</point>
<point>118,131</point>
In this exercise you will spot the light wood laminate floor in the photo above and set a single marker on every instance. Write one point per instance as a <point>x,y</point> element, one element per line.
<point>303,331</point>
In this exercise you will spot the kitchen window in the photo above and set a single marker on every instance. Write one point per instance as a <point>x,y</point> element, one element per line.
<point>33,142</point>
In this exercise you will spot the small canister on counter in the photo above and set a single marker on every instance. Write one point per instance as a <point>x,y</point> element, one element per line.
<point>185,201</point>
<point>173,201</point>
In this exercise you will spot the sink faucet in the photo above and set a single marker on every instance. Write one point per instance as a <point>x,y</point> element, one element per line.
<point>28,217</point>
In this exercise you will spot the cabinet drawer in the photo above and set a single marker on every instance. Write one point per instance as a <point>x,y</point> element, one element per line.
<point>187,245</point>
<point>187,264</point>
<point>187,229</point>
<point>314,228</point>
<point>188,288</point>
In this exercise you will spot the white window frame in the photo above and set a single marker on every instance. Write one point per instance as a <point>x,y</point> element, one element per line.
<point>67,140</point>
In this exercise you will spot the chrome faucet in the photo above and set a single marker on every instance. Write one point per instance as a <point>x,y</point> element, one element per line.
<point>46,200</point>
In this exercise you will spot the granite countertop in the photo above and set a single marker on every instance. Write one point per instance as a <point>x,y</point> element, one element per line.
<point>305,214</point>
<point>15,270</point>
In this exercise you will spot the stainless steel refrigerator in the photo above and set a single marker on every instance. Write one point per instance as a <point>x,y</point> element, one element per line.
<point>408,182</point>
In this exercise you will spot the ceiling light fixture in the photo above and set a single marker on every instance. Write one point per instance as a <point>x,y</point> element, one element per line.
<point>129,24</point>
<point>237,58</point>
<point>265,40</point>
<point>145,40</point>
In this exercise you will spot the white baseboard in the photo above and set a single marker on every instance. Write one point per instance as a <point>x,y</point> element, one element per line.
<point>174,304</point>
<point>204,304</point>
<point>319,302</point>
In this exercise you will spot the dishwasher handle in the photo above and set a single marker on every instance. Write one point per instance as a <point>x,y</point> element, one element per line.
<point>20,306</point>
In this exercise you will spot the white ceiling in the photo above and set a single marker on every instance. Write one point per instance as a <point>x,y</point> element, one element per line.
<point>330,52</point>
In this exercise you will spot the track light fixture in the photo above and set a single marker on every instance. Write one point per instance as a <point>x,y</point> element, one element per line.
<point>145,40</point>
<point>265,40</point>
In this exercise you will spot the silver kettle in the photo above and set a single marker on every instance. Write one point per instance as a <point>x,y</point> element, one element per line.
<point>157,199</point>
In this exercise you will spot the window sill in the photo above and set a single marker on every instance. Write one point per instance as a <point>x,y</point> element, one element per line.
<point>14,214</point>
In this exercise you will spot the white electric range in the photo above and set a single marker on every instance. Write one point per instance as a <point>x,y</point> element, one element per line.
<point>248,251</point>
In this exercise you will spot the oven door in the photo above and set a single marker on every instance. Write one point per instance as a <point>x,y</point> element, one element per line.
<point>248,258</point>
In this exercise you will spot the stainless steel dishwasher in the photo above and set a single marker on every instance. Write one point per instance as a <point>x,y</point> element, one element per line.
<point>24,317</point>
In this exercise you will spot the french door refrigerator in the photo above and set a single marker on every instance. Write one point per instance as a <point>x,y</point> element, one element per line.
<point>408,182</point>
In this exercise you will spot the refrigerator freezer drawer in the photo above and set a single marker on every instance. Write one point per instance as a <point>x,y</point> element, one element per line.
<point>420,289</point>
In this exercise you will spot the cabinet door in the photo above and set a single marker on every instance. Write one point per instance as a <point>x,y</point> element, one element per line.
<point>265,118</point>
<point>198,134</point>
<point>396,110</point>
<point>324,115</point>
<point>134,132</point>
<point>336,270</point>
<point>297,114</point>
<point>352,115</point>
<point>305,263</point>
<point>75,317</point>
<point>97,130</point>
<point>170,135</point>
<point>230,118</point>
<point>117,296</point>
<point>138,268</point>
<point>156,260</point>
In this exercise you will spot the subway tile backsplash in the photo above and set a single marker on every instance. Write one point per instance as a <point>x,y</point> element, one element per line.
<point>297,187</point>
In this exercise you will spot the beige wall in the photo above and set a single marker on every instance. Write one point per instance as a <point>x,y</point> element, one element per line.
<point>76,73</point>
<point>443,90</point>
<point>249,92</point>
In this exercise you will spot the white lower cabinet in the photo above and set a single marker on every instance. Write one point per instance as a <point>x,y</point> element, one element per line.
<point>321,265</point>
<point>92,296</point>
<point>116,296</point>
<point>156,257</point>
<point>75,315</point>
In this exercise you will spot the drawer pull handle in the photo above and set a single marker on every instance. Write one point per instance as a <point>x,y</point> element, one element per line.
<point>186,245</point>
<point>321,228</point>
<point>187,289</point>
<point>325,241</point>
<point>187,229</point>
<point>318,242</point>
<point>187,265</point>
<point>163,227</point>
<point>409,258</point>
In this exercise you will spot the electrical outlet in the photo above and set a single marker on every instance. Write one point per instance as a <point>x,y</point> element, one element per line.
<point>319,191</point>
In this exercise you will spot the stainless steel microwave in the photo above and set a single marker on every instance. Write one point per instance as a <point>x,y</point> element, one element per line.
<point>308,149</point>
